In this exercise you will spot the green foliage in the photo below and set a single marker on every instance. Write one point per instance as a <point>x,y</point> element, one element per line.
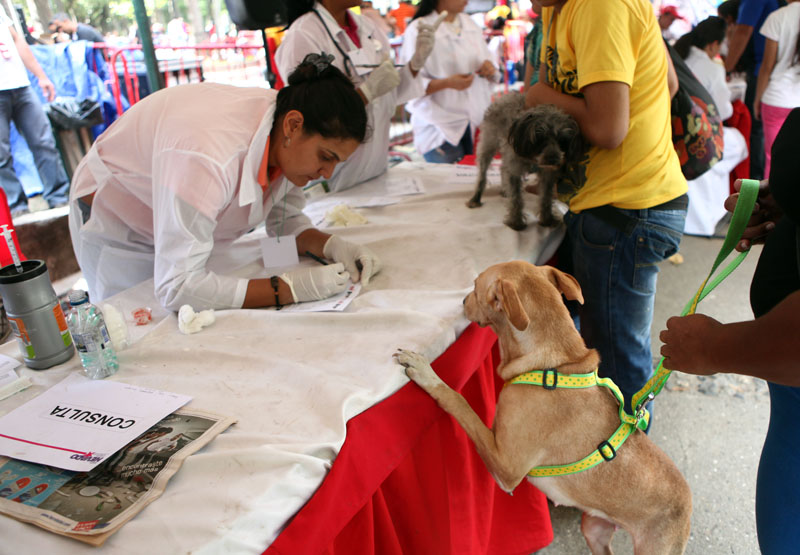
<point>118,15</point>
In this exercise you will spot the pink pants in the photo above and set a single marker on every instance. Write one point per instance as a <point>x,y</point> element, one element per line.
<point>772,117</point>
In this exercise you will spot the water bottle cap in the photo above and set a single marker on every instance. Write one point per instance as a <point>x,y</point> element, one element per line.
<point>78,297</point>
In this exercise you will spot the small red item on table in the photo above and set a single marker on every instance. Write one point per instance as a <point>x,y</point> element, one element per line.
<point>142,316</point>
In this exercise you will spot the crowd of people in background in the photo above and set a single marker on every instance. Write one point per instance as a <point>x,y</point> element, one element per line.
<point>760,47</point>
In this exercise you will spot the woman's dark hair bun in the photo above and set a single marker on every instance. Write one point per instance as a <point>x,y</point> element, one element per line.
<point>326,97</point>
<point>313,66</point>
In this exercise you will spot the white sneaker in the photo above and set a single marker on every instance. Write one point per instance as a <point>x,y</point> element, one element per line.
<point>37,204</point>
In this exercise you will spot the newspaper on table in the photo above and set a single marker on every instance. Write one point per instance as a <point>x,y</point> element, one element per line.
<point>90,506</point>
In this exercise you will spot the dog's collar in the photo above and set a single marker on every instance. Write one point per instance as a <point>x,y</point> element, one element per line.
<point>550,378</point>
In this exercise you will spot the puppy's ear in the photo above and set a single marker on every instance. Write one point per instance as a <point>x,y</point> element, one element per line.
<point>565,283</point>
<point>522,135</point>
<point>577,148</point>
<point>504,299</point>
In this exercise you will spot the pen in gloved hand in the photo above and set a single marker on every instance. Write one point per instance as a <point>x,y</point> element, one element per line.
<point>317,258</point>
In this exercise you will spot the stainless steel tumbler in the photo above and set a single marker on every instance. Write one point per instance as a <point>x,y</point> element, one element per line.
<point>35,315</point>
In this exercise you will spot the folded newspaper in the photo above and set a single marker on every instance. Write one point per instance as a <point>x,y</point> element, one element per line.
<point>90,506</point>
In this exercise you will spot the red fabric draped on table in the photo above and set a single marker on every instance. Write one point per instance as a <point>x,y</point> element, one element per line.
<point>408,479</point>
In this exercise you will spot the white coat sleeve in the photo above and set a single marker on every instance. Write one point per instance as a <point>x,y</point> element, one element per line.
<point>183,234</point>
<point>286,216</point>
<point>720,92</point>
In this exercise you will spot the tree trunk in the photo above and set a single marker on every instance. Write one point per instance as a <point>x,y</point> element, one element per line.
<point>196,20</point>
<point>43,13</point>
<point>216,17</point>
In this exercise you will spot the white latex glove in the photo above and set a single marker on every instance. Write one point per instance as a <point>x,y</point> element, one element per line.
<point>426,37</point>
<point>359,260</point>
<point>317,283</point>
<point>380,81</point>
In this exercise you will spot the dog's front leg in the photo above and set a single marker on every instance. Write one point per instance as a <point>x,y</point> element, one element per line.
<point>547,186</point>
<point>512,182</point>
<point>420,371</point>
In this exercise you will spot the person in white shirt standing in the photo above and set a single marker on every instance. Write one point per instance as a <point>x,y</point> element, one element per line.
<point>457,77</point>
<point>20,104</point>
<point>362,51</point>
<point>189,169</point>
<point>778,88</point>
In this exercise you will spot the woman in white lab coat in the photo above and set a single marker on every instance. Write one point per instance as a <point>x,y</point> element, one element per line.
<point>362,51</point>
<point>458,79</point>
<point>191,168</point>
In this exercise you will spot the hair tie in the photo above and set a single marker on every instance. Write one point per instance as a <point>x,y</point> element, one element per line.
<point>321,61</point>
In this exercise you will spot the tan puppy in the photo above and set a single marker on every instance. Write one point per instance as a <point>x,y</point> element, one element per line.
<point>640,490</point>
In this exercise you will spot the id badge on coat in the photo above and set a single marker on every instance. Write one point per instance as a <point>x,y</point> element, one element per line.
<point>279,252</point>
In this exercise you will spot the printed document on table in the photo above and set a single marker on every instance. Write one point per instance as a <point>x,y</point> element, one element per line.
<point>337,303</point>
<point>79,422</point>
<point>469,174</point>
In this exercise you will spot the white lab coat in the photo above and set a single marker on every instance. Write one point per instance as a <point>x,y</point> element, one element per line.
<point>175,178</point>
<point>445,115</point>
<point>711,75</point>
<point>308,35</point>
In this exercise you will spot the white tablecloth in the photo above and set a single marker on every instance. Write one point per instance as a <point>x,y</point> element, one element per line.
<point>293,380</point>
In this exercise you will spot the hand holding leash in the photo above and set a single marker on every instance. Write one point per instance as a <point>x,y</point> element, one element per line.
<point>688,343</point>
<point>765,215</point>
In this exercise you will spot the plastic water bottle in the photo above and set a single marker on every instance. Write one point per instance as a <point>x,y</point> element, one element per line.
<point>90,335</point>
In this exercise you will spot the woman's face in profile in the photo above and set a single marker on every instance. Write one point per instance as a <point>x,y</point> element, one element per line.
<point>311,156</point>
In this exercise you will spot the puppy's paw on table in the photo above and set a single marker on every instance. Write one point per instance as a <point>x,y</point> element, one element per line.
<point>417,368</point>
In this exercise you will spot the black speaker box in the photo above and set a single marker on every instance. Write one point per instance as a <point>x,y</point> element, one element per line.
<point>253,15</point>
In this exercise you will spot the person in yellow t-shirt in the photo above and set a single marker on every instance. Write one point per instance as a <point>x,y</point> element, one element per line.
<point>605,64</point>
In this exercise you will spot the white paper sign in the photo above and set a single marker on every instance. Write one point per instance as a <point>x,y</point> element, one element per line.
<point>79,422</point>
<point>337,303</point>
<point>279,252</point>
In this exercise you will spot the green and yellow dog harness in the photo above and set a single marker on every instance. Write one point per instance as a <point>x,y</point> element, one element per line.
<point>607,450</point>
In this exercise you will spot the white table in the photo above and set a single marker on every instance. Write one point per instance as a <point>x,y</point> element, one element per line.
<point>294,380</point>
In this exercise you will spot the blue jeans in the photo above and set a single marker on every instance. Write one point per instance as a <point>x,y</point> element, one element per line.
<point>450,154</point>
<point>617,272</point>
<point>778,486</point>
<point>23,107</point>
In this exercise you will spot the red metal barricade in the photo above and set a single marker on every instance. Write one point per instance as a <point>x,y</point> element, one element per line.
<point>231,63</point>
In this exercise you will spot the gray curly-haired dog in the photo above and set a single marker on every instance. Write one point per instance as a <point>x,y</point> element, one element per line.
<point>542,140</point>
